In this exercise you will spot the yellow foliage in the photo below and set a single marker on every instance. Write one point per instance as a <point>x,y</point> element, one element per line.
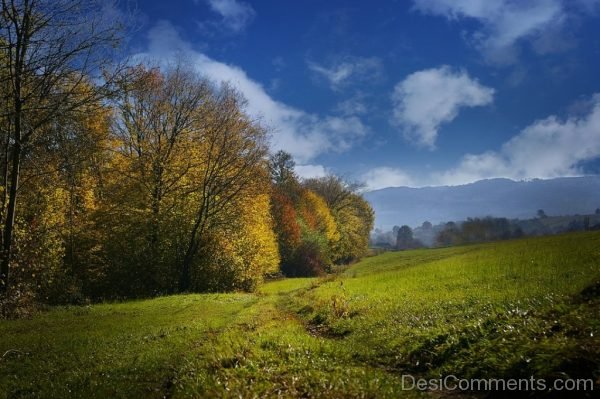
<point>239,259</point>
<point>257,230</point>
<point>254,245</point>
<point>313,206</point>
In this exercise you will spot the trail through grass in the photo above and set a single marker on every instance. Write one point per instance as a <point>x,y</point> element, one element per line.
<point>512,309</point>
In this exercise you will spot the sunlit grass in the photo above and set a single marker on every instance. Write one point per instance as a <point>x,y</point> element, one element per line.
<point>505,309</point>
<point>285,286</point>
<point>123,350</point>
<point>466,304</point>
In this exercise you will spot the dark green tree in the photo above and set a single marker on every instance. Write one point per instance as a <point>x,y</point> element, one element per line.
<point>281,167</point>
<point>541,214</point>
<point>404,239</point>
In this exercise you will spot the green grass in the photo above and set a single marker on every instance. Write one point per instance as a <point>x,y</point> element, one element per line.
<point>509,309</point>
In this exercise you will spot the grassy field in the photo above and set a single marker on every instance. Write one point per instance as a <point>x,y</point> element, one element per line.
<point>512,309</point>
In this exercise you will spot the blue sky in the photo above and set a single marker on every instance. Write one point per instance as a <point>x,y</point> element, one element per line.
<point>421,92</point>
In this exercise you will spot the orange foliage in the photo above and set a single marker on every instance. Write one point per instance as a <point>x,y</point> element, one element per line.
<point>286,222</point>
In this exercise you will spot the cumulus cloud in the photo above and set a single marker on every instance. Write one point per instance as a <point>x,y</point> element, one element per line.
<point>348,70</point>
<point>547,148</point>
<point>309,171</point>
<point>427,99</point>
<point>304,135</point>
<point>384,176</point>
<point>503,23</point>
<point>236,15</point>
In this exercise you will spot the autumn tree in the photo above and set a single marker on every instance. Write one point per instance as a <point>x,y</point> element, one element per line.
<point>320,221</point>
<point>231,171</point>
<point>237,258</point>
<point>189,163</point>
<point>352,214</point>
<point>156,115</point>
<point>157,118</point>
<point>287,228</point>
<point>285,187</point>
<point>318,236</point>
<point>336,192</point>
<point>50,51</point>
<point>316,215</point>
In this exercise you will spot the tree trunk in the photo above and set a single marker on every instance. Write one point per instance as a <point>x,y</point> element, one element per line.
<point>185,279</point>
<point>12,203</point>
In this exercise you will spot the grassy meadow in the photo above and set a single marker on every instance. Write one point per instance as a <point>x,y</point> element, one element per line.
<point>510,309</point>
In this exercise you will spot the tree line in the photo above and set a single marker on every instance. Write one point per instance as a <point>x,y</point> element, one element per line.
<point>122,180</point>
<point>479,230</point>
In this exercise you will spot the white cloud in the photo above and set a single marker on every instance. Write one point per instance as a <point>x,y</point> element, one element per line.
<point>547,148</point>
<point>503,22</point>
<point>309,171</point>
<point>427,99</point>
<point>384,176</point>
<point>236,14</point>
<point>348,70</point>
<point>355,105</point>
<point>303,134</point>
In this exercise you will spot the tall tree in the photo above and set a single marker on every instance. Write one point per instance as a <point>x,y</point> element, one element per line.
<point>232,160</point>
<point>50,49</point>
<point>156,115</point>
<point>283,175</point>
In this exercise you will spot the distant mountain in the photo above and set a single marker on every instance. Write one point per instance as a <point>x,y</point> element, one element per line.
<point>492,197</point>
